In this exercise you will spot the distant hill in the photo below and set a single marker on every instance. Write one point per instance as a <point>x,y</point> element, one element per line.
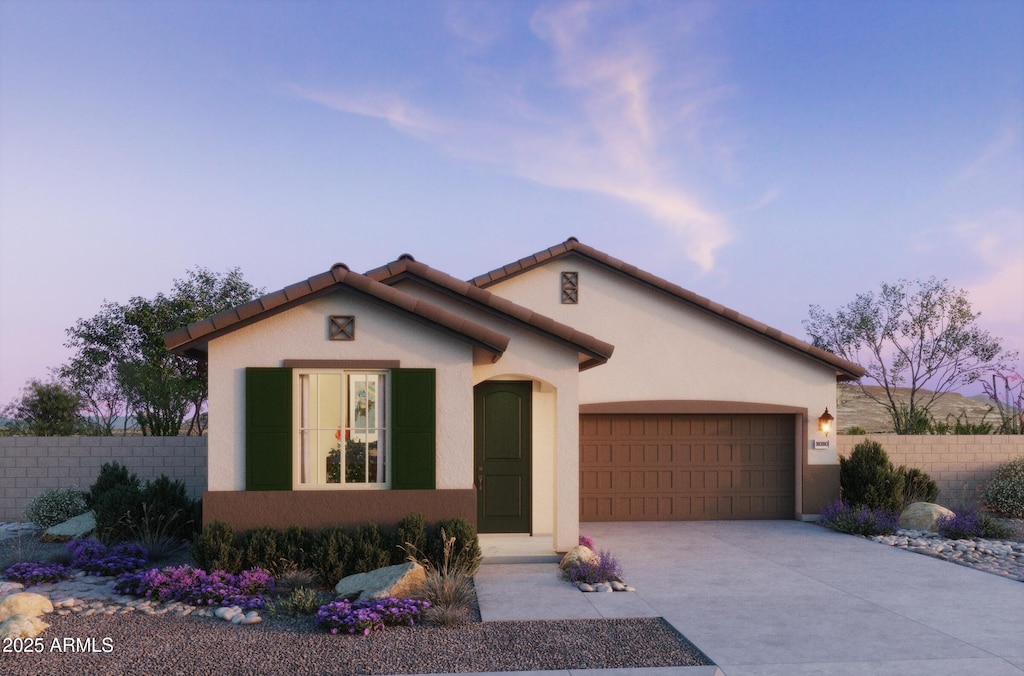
<point>855,408</point>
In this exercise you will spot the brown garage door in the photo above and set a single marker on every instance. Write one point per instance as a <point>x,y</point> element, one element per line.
<point>686,467</point>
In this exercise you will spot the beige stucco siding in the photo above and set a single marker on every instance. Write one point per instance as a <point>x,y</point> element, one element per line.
<point>666,350</point>
<point>554,371</point>
<point>302,333</point>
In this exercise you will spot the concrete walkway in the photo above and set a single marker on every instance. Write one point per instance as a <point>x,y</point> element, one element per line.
<point>780,598</point>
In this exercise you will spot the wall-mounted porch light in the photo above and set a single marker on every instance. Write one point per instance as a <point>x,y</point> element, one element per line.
<point>825,422</point>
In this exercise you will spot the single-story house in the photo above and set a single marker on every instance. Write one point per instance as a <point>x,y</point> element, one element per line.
<point>567,386</point>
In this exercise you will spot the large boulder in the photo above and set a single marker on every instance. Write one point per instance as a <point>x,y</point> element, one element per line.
<point>576,555</point>
<point>19,615</point>
<point>24,603</point>
<point>400,581</point>
<point>76,526</point>
<point>923,516</point>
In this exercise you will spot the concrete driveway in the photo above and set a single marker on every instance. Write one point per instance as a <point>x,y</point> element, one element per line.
<point>784,598</point>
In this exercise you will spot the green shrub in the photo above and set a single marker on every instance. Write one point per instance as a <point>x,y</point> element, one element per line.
<point>332,550</point>
<point>869,478</point>
<point>214,548</point>
<point>300,601</point>
<point>111,474</point>
<point>917,486</point>
<point>54,506</point>
<point>466,546</point>
<point>856,430</point>
<point>295,546</point>
<point>114,509</point>
<point>370,549</point>
<point>259,550</point>
<point>168,509</point>
<point>1004,493</point>
<point>412,531</point>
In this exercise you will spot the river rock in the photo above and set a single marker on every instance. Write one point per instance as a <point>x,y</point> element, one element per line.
<point>400,581</point>
<point>923,516</point>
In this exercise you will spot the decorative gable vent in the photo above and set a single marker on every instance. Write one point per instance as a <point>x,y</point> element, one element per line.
<point>342,327</point>
<point>570,288</point>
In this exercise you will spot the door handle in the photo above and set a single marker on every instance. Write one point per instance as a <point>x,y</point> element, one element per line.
<point>479,478</point>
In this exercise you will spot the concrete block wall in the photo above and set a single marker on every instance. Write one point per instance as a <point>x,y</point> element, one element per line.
<point>32,464</point>
<point>959,464</point>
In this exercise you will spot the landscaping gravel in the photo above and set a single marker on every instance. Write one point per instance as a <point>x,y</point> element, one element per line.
<point>170,645</point>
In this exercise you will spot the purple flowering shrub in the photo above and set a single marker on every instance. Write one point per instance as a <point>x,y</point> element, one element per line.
<point>362,617</point>
<point>971,524</point>
<point>35,572</point>
<point>586,541</point>
<point>862,520</point>
<point>602,568</point>
<point>248,589</point>
<point>96,559</point>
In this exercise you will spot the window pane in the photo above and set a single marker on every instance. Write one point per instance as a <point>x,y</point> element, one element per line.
<point>355,462</point>
<point>329,401</point>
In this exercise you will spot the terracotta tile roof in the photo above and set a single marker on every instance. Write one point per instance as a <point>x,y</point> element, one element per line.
<point>193,339</point>
<point>845,370</point>
<point>593,351</point>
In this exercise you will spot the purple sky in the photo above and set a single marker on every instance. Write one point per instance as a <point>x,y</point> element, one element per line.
<point>768,155</point>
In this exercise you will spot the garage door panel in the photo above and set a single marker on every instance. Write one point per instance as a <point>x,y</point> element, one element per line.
<point>675,467</point>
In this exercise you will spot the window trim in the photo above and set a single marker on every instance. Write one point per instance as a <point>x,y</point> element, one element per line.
<point>297,428</point>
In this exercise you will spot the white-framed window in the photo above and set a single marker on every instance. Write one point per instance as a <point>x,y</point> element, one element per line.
<point>342,437</point>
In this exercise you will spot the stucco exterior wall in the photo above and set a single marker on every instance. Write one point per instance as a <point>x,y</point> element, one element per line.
<point>554,371</point>
<point>960,464</point>
<point>665,350</point>
<point>302,333</point>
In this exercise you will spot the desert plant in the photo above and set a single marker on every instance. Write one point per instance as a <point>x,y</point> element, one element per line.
<point>856,430</point>
<point>362,617</point>
<point>1004,492</point>
<point>299,601</point>
<point>295,578</point>
<point>35,572</point>
<point>167,502</point>
<point>448,584</point>
<point>96,558</point>
<point>917,486</point>
<point>412,531</point>
<point>295,546</point>
<point>466,548</point>
<point>214,548</point>
<point>114,509</point>
<point>157,533</point>
<point>370,550</point>
<point>860,520</point>
<point>601,568</point>
<point>259,549</point>
<point>332,550</point>
<point>111,474</point>
<point>54,506</point>
<point>249,589</point>
<point>969,524</point>
<point>869,478</point>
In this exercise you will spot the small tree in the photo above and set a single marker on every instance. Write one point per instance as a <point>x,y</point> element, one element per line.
<point>919,335</point>
<point>46,410</point>
<point>1007,390</point>
<point>121,363</point>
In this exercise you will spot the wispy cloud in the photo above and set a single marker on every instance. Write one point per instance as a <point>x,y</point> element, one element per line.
<point>596,103</point>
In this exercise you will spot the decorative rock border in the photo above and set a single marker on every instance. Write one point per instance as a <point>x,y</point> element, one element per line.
<point>613,586</point>
<point>88,595</point>
<point>999,557</point>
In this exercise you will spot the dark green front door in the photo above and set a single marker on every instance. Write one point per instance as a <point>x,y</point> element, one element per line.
<point>502,450</point>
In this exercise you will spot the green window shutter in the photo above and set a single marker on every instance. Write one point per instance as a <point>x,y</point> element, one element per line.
<point>413,423</point>
<point>268,429</point>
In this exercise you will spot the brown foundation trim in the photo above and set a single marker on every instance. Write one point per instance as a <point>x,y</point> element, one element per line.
<point>671,406</point>
<point>244,510</point>
<point>821,486</point>
<point>341,364</point>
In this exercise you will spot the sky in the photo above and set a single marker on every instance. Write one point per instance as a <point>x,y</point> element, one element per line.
<point>769,155</point>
